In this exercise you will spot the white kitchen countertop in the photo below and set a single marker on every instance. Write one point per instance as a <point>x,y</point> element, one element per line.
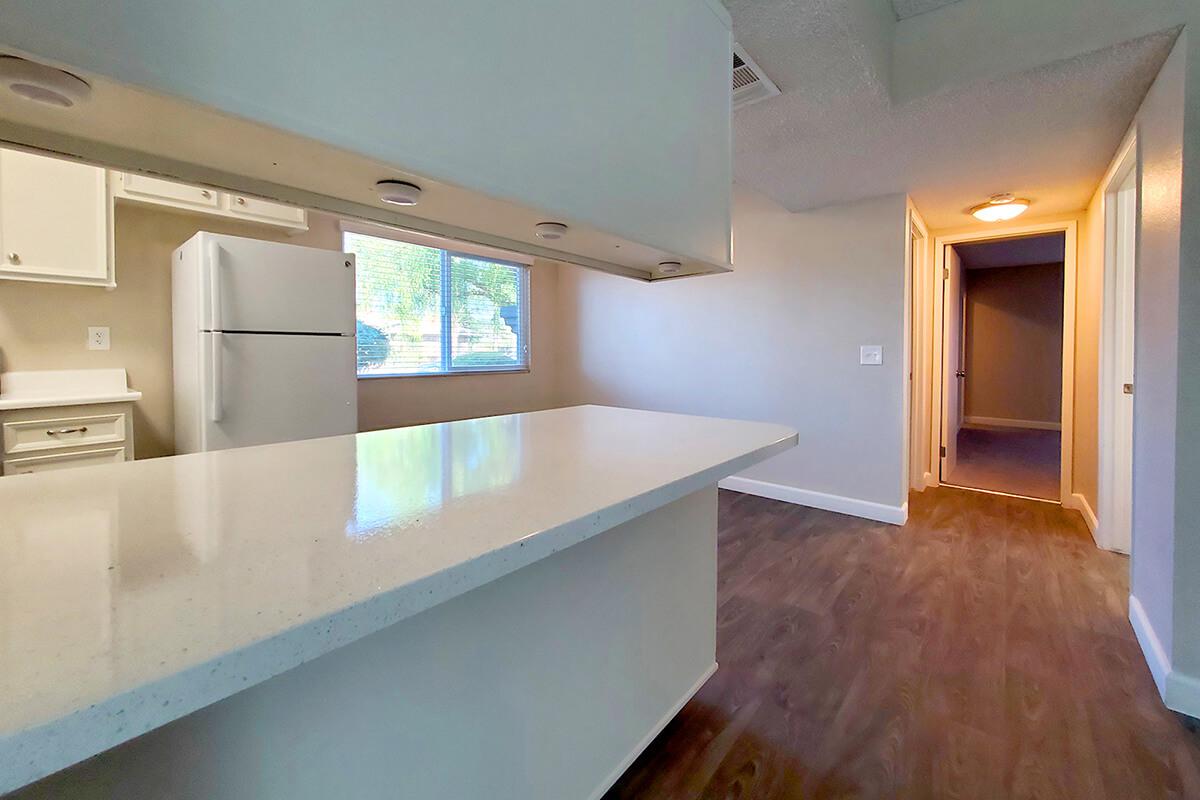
<point>133,594</point>
<point>44,388</point>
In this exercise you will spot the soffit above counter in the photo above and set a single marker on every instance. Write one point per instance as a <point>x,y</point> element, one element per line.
<point>632,153</point>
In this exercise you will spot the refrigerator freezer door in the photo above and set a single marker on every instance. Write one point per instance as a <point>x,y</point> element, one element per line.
<point>263,388</point>
<point>252,285</point>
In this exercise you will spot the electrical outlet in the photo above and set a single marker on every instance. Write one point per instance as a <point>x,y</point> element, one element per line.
<point>870,355</point>
<point>97,338</point>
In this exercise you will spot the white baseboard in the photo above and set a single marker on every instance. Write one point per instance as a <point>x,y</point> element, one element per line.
<point>895,515</point>
<point>1183,694</point>
<point>1179,692</point>
<point>1001,422</point>
<point>1080,503</point>
<point>649,737</point>
<point>1152,649</point>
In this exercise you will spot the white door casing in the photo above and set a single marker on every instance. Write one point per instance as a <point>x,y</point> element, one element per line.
<point>952,372</point>
<point>1117,368</point>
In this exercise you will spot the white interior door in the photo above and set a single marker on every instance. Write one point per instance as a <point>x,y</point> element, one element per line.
<point>953,374</point>
<point>263,388</point>
<point>1121,388</point>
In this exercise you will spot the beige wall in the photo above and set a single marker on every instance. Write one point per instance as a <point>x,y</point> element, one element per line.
<point>775,340</point>
<point>44,326</point>
<point>1014,343</point>
<point>1089,311</point>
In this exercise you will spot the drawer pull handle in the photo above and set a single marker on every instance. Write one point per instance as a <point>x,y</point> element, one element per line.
<point>82,429</point>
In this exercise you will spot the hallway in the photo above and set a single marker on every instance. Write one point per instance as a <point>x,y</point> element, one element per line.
<point>981,651</point>
<point>1013,460</point>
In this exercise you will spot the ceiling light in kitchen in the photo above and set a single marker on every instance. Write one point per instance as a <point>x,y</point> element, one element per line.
<point>1000,207</point>
<point>43,83</point>
<point>398,193</point>
<point>550,230</point>
<point>669,267</point>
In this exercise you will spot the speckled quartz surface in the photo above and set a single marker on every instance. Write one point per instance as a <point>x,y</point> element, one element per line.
<point>136,593</point>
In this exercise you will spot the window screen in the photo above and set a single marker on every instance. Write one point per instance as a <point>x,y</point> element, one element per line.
<point>428,311</point>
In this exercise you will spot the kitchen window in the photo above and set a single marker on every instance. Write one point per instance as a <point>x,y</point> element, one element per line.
<point>424,309</point>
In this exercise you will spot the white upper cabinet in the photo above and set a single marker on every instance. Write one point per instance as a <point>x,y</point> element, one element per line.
<point>167,193</point>
<point>54,221</point>
<point>185,197</point>
<point>259,210</point>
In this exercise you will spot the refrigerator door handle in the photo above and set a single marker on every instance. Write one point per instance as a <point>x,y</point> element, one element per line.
<point>214,285</point>
<point>216,410</point>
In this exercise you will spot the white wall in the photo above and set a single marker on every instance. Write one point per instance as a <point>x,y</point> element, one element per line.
<point>1160,143</point>
<point>1183,693</point>
<point>603,113</point>
<point>776,340</point>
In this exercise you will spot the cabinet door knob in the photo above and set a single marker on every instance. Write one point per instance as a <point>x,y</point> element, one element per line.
<point>14,258</point>
<point>205,193</point>
<point>241,201</point>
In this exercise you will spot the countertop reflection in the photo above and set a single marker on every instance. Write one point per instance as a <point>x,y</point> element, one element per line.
<point>135,593</point>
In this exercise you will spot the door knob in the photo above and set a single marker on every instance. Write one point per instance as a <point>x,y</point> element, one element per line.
<point>14,258</point>
<point>960,374</point>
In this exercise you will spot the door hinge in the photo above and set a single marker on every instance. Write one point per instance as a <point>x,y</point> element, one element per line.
<point>943,449</point>
<point>1127,388</point>
<point>945,273</point>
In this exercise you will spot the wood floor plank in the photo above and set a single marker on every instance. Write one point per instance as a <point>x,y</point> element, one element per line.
<point>981,651</point>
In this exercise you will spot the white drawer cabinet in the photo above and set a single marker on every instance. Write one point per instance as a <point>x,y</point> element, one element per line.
<point>54,221</point>
<point>78,458</point>
<point>58,437</point>
<point>24,436</point>
<point>185,197</point>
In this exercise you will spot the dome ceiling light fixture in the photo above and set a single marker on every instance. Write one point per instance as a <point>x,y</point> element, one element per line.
<point>42,83</point>
<point>669,267</point>
<point>550,230</point>
<point>1000,207</point>
<point>398,193</point>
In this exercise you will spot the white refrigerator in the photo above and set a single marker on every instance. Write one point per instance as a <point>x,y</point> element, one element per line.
<point>264,343</point>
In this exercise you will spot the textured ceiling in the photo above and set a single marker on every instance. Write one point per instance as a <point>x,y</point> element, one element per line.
<point>836,136</point>
<point>910,8</point>
<point>1013,252</point>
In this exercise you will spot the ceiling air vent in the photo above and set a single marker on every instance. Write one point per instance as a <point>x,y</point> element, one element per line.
<point>750,83</point>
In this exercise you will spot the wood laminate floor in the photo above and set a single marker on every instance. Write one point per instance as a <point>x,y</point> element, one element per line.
<point>981,651</point>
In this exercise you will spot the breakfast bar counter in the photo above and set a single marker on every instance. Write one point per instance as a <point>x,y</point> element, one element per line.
<point>501,607</point>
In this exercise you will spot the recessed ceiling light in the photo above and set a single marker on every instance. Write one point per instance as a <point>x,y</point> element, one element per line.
<point>42,83</point>
<point>1000,207</point>
<point>398,193</point>
<point>550,230</point>
<point>669,267</point>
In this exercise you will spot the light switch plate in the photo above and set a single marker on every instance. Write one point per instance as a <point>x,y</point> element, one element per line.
<point>98,338</point>
<point>870,354</point>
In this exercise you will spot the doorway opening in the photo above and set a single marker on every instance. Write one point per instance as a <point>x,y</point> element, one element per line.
<point>1004,306</point>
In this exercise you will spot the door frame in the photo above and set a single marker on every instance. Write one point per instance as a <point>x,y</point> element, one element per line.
<point>936,378</point>
<point>920,350</point>
<point>1111,448</point>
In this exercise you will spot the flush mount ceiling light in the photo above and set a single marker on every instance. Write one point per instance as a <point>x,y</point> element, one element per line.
<point>42,83</point>
<point>669,267</point>
<point>398,193</point>
<point>550,230</point>
<point>1000,207</point>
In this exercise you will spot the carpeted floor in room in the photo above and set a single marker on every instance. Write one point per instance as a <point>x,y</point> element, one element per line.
<point>1014,460</point>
